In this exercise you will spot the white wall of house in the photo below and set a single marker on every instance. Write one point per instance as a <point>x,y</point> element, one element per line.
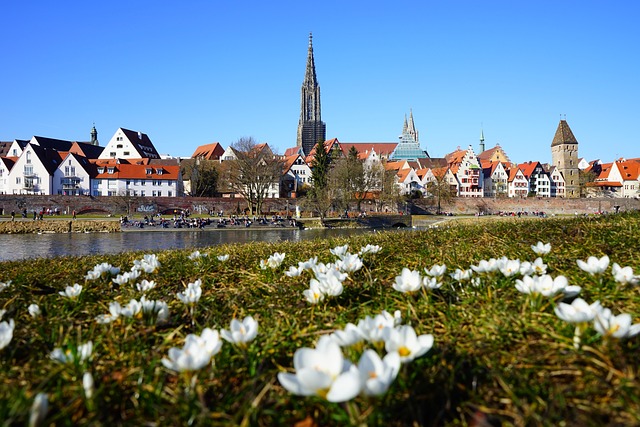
<point>519,186</point>
<point>29,175</point>
<point>469,176</point>
<point>497,183</point>
<point>557,183</point>
<point>71,178</point>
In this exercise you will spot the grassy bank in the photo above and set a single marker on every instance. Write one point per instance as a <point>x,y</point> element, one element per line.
<point>499,356</point>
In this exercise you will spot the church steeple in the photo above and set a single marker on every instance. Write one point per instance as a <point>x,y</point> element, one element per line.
<point>94,135</point>
<point>481,140</point>
<point>311,128</point>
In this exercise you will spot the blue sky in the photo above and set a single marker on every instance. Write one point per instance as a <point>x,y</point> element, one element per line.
<point>195,72</point>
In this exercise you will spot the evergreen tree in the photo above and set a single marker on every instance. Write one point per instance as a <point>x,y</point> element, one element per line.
<point>320,166</point>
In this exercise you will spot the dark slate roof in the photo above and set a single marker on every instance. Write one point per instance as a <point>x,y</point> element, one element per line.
<point>142,143</point>
<point>49,157</point>
<point>4,148</point>
<point>563,135</point>
<point>56,144</point>
<point>89,150</point>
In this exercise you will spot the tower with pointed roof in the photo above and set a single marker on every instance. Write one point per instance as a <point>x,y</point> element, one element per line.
<point>564,155</point>
<point>94,135</point>
<point>482,140</point>
<point>311,128</point>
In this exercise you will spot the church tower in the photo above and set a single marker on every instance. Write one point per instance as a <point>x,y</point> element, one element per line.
<point>564,155</point>
<point>94,135</point>
<point>311,128</point>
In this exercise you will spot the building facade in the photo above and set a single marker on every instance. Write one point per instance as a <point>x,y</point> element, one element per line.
<point>564,155</point>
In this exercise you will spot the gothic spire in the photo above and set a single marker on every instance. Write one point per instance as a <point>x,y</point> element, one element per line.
<point>310,74</point>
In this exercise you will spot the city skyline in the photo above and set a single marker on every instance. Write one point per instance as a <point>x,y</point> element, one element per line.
<point>203,72</point>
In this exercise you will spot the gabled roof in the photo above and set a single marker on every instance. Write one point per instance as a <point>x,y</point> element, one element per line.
<point>432,162</point>
<point>141,143</point>
<point>383,149</point>
<point>293,150</point>
<point>209,151</point>
<point>455,157</point>
<point>8,162</point>
<point>289,161</point>
<point>513,172</point>
<point>82,161</point>
<point>49,157</point>
<point>87,150</point>
<point>528,168</point>
<point>563,135</point>
<point>328,145</point>
<point>629,170</point>
<point>4,147</point>
<point>604,172</point>
<point>491,152</point>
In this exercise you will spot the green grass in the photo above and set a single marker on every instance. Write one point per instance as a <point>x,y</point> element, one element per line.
<point>494,359</point>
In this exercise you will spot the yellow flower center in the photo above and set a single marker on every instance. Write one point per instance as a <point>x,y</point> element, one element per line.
<point>404,351</point>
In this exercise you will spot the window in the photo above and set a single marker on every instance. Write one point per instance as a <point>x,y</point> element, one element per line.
<point>142,193</point>
<point>28,157</point>
<point>112,154</point>
<point>143,182</point>
<point>28,170</point>
<point>15,152</point>
<point>126,153</point>
<point>110,170</point>
<point>169,194</point>
<point>18,180</point>
<point>119,146</point>
<point>159,171</point>
<point>149,171</point>
<point>119,138</point>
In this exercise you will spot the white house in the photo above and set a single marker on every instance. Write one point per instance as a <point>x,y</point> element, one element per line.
<point>296,174</point>
<point>33,170</point>
<point>143,180</point>
<point>73,176</point>
<point>468,171</point>
<point>557,182</point>
<point>518,183</point>
<point>495,179</point>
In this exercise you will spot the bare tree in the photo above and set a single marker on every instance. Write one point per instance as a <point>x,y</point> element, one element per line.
<point>389,192</point>
<point>202,175</point>
<point>440,189</point>
<point>254,174</point>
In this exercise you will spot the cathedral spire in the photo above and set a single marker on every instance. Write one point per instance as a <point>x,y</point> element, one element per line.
<point>311,128</point>
<point>310,74</point>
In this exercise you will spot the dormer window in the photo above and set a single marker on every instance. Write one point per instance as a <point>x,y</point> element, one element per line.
<point>149,171</point>
<point>110,170</point>
<point>159,171</point>
<point>100,170</point>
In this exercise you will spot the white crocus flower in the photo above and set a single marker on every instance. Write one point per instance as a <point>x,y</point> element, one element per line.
<point>88,385</point>
<point>369,249</point>
<point>275,260</point>
<point>241,332</point>
<point>71,292</point>
<point>114,312</point>
<point>145,285</point>
<point>408,281</point>
<point>376,375</point>
<point>541,248</point>
<point>510,267</point>
<point>485,266</point>
<point>624,275</point>
<point>436,270</point>
<point>293,272</point>
<point>157,311</point>
<point>196,352</point>
<point>330,283</point>
<point>6,332</point>
<point>578,311</point>
<point>122,279</point>
<point>526,268</point>
<point>314,294</point>
<point>34,310</point>
<point>406,342</point>
<point>132,309</point>
<point>539,267</point>
<point>594,265</point>
<point>101,270</point>
<point>149,263</point>
<point>323,372</point>
<point>339,251</point>
<point>4,285</point>
<point>461,275</point>
<point>223,258</point>
<point>309,264</point>
<point>546,286</point>
<point>39,410</point>
<point>348,336</point>
<point>83,352</point>
<point>349,263</point>
<point>196,254</point>
<point>431,283</point>
<point>191,294</point>
<point>618,326</point>
<point>372,328</point>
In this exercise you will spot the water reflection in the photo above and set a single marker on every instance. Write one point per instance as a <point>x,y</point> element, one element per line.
<point>24,246</point>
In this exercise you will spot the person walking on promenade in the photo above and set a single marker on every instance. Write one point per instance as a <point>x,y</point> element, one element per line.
<point>13,216</point>
<point>74,214</point>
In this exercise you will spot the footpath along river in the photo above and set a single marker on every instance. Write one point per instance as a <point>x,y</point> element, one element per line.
<point>24,246</point>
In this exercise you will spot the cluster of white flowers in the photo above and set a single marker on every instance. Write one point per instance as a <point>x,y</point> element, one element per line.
<point>223,258</point>
<point>199,349</point>
<point>328,278</point>
<point>154,311</point>
<point>6,331</point>
<point>145,285</point>
<point>149,263</point>
<point>4,285</point>
<point>274,261</point>
<point>191,294</point>
<point>411,281</point>
<point>102,270</point>
<point>197,255</point>
<point>596,266</point>
<point>80,353</point>
<point>323,371</point>
<point>127,276</point>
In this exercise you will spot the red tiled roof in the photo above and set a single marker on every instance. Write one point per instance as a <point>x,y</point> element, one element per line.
<point>209,151</point>
<point>127,171</point>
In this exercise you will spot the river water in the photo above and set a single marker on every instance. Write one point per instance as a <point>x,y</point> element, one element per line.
<point>23,246</point>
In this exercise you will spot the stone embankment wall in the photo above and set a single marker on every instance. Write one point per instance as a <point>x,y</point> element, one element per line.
<point>58,226</point>
<point>139,206</point>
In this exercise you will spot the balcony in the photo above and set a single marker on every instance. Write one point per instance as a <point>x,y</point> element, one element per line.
<point>70,183</point>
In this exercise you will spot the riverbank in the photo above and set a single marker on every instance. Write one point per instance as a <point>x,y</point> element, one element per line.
<point>25,226</point>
